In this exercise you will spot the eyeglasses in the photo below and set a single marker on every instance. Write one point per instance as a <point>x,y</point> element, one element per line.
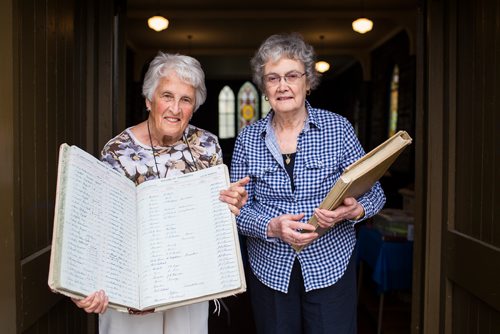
<point>274,79</point>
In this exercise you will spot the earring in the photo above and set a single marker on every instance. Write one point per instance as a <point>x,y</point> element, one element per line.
<point>266,98</point>
<point>308,92</point>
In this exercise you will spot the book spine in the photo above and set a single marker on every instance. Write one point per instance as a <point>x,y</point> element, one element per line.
<point>57,233</point>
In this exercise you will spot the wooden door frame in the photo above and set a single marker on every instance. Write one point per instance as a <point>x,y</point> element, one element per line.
<point>427,292</point>
<point>436,132</point>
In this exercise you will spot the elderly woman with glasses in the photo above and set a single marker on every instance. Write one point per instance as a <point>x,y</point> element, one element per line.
<point>164,144</point>
<point>293,158</point>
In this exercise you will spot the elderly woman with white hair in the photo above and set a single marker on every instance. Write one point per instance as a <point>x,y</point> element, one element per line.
<point>164,144</point>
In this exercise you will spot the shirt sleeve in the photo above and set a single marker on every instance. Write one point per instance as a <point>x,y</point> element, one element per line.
<point>250,222</point>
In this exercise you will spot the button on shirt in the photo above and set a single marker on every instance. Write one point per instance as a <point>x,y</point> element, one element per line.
<point>325,147</point>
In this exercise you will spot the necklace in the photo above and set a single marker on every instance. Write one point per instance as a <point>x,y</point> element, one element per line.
<point>154,153</point>
<point>287,156</point>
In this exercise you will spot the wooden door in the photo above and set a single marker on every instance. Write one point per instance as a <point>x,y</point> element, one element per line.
<point>61,69</point>
<point>462,266</point>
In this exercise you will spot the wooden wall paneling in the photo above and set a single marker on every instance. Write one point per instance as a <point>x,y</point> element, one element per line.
<point>79,89</point>
<point>51,106</point>
<point>71,78</point>
<point>465,259</point>
<point>470,258</point>
<point>472,315</point>
<point>8,227</point>
<point>491,69</point>
<point>27,129</point>
<point>62,132</point>
<point>493,111</point>
<point>104,83</point>
<point>49,115</point>
<point>495,322</point>
<point>486,319</point>
<point>40,136</point>
<point>88,36</point>
<point>449,158</point>
<point>474,128</point>
<point>461,311</point>
<point>476,110</point>
<point>119,68</point>
<point>465,92</point>
<point>61,320</point>
<point>65,78</point>
<point>37,298</point>
<point>59,317</point>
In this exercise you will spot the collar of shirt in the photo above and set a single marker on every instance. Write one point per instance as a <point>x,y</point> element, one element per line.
<point>312,120</point>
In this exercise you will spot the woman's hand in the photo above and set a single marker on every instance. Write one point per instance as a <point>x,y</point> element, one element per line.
<point>96,302</point>
<point>349,209</point>
<point>236,196</point>
<point>288,227</point>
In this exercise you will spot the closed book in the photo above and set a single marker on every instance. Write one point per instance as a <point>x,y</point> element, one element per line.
<point>360,176</point>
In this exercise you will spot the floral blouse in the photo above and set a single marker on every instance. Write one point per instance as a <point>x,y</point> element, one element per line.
<point>197,149</point>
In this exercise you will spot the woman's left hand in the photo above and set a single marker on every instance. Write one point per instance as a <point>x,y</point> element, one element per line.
<point>349,209</point>
<point>236,196</point>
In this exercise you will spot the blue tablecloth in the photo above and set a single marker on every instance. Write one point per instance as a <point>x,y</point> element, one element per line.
<point>391,261</point>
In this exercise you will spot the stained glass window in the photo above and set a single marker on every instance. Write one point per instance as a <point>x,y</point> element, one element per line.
<point>226,113</point>
<point>248,105</point>
<point>393,104</point>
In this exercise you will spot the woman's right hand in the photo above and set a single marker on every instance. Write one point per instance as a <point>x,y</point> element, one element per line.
<point>288,228</point>
<point>96,302</point>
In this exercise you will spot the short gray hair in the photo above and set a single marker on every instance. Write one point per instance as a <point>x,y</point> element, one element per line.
<point>187,69</point>
<point>290,46</point>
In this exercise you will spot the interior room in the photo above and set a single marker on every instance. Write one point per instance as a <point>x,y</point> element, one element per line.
<point>427,263</point>
<point>371,81</point>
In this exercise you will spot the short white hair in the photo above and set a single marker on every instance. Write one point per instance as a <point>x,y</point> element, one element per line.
<point>186,68</point>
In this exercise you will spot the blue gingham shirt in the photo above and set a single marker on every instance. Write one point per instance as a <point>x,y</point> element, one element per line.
<point>325,147</point>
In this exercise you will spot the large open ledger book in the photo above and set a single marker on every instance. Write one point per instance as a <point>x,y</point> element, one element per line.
<point>165,243</point>
<point>361,175</point>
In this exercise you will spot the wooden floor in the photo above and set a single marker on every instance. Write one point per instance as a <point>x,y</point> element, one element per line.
<point>396,313</point>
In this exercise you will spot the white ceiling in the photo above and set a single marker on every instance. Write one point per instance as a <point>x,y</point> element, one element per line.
<point>226,33</point>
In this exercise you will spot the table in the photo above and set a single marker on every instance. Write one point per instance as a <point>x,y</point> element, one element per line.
<point>390,260</point>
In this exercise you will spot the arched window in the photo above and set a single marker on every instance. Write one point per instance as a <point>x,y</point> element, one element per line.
<point>393,103</point>
<point>266,107</point>
<point>226,113</point>
<point>248,105</point>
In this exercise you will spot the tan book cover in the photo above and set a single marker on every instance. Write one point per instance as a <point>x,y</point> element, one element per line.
<point>162,244</point>
<point>361,175</point>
